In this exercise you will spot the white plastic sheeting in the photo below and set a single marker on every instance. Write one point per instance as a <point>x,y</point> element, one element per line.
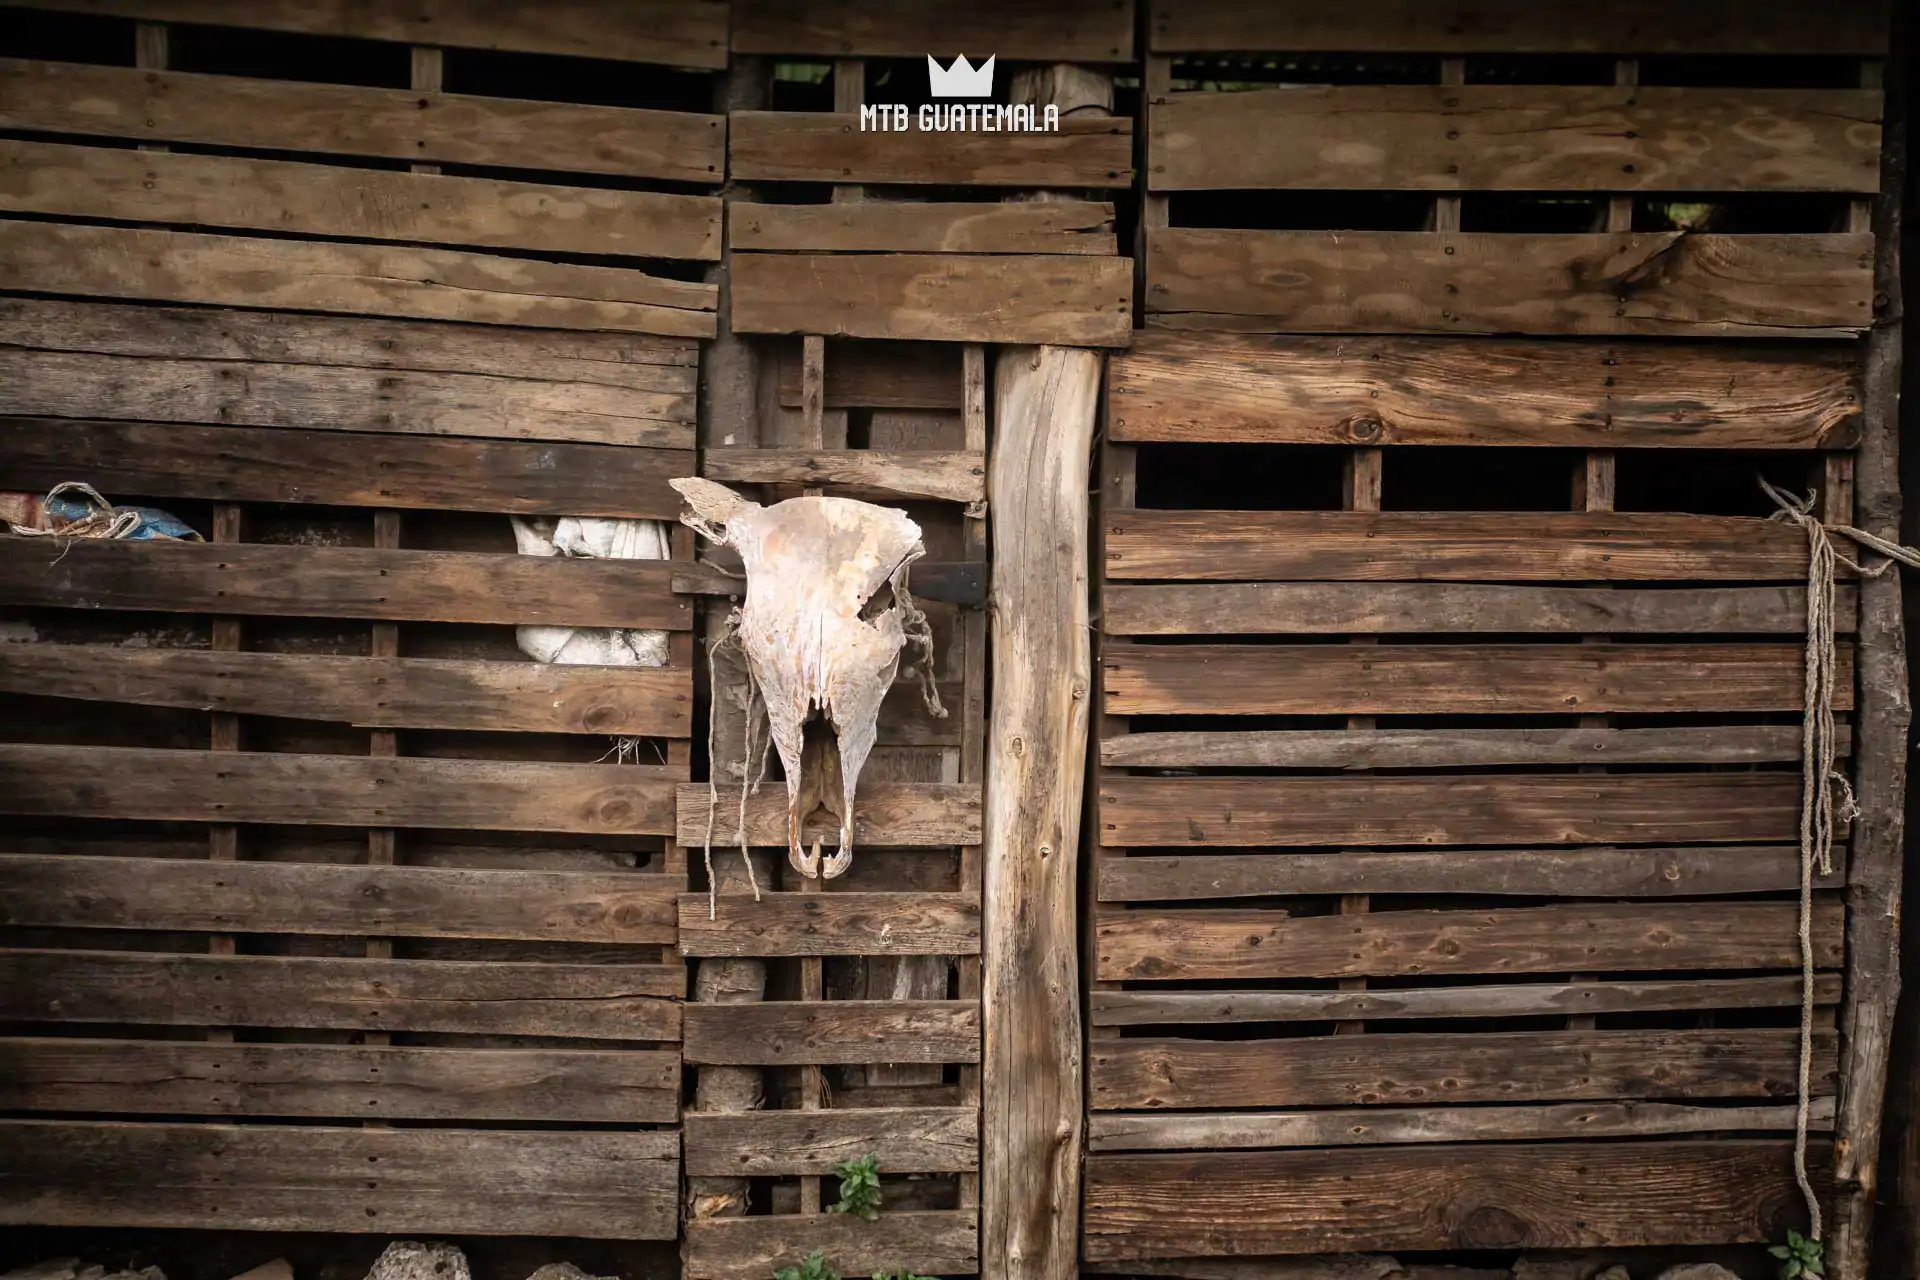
<point>602,540</point>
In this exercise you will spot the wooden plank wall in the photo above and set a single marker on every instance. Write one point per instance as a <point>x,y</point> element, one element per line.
<point>1448,781</point>
<point>314,889</point>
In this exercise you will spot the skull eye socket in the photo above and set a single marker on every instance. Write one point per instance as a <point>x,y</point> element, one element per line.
<point>877,603</point>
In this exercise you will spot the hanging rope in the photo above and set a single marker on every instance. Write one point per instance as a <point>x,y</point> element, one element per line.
<point>1820,781</point>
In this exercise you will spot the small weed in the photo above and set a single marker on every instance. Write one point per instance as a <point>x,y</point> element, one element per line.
<point>1800,1258</point>
<point>859,1189</point>
<point>814,1268</point>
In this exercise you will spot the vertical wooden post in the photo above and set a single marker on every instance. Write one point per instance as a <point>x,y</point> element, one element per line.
<point>1363,471</point>
<point>973,743</point>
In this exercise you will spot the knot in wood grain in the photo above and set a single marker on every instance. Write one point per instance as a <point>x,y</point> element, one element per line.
<point>1365,428</point>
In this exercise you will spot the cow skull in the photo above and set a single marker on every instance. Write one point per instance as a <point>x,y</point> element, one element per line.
<point>826,616</point>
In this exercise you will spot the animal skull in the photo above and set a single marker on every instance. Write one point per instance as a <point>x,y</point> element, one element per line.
<point>826,615</point>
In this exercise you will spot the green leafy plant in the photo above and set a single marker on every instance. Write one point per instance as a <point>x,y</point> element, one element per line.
<point>814,1268</point>
<point>1800,1258</point>
<point>859,1189</point>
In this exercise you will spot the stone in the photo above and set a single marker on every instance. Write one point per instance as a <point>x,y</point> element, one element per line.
<point>51,1269</point>
<point>1567,1266</point>
<point>412,1260</point>
<point>1697,1271</point>
<point>278,1269</point>
<point>564,1271</point>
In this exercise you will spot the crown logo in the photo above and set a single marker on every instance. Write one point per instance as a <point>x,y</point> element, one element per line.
<point>961,80</point>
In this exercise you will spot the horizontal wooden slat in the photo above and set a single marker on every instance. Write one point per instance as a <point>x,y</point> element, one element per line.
<point>1476,1066</point>
<point>1655,284</point>
<point>956,582</point>
<point>1503,546</point>
<point>1507,809</point>
<point>1572,873</point>
<point>588,1001</point>
<point>1443,679</point>
<point>831,924</point>
<point>878,375</point>
<point>1087,152</point>
<point>1474,391</point>
<point>1628,937</point>
<point>897,814</point>
<point>923,473</point>
<point>396,124</point>
<point>1498,1196</point>
<point>166,894</point>
<point>267,580</point>
<point>1065,226</point>
<point>1214,1131</point>
<point>222,1177</point>
<point>1520,1000</point>
<point>1056,298</point>
<point>336,276</point>
<point>943,1242</point>
<point>1067,30</point>
<point>1522,26</point>
<point>1517,138</point>
<point>1444,748</point>
<point>786,1143</point>
<point>156,1077</point>
<point>827,1032</point>
<point>366,204</point>
<point>224,786</point>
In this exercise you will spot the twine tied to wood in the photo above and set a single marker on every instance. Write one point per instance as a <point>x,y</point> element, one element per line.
<point>1820,781</point>
<point>104,521</point>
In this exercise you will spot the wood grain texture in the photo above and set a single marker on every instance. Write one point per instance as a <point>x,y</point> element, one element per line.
<point>892,814</point>
<point>1442,748</point>
<point>262,579</point>
<point>1653,284</point>
<point>1451,391</point>
<point>787,1143</point>
<point>1444,1069</point>
<point>1086,153</point>
<point>369,204</point>
<point>189,895</point>
<point>1504,809</point>
<point>1505,546</point>
<point>1221,943</point>
<point>213,786</point>
<point>793,1032</point>
<point>587,1001</point>
<point>890,474</point>
<point>395,693</point>
<point>872,226</point>
<point>395,124</point>
<point>336,276</point>
<point>877,375</point>
<point>337,1081</point>
<point>831,924</point>
<point>1517,138</point>
<point>947,1242</point>
<point>1058,298</point>
<point>308,1178</point>
<point>1068,31</point>
<point>1504,1197</point>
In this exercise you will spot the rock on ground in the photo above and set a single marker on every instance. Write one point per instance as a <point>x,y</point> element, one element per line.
<point>564,1271</point>
<point>1698,1271</point>
<point>411,1260</point>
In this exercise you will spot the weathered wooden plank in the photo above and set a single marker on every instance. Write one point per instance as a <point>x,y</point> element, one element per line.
<point>157,1077</point>
<point>824,146</point>
<point>167,894</point>
<point>946,1242</point>
<point>261,579</point>
<point>798,1032</point>
<point>1443,1069</point>
<point>397,124</point>
<point>1448,679</point>
<point>1454,391</point>
<point>1452,748</point>
<point>878,375</point>
<point>872,226</point>
<point>1517,138</point>
<point>1656,284</point>
<point>399,693</point>
<point>619,1184</point>
<point>920,473</point>
<point>1522,26</point>
<point>1582,873</point>
<point>1627,937</point>
<point>1505,546</point>
<point>788,1143</point>
<point>589,1001</point>
<point>1572,1195</point>
<point>1056,298</point>
<point>1532,999</point>
<point>899,814</point>
<point>349,469</point>
<point>1399,1125</point>
<point>223,786</point>
<point>1067,31</point>
<point>831,924</point>
<point>369,204</point>
<point>310,275</point>
<point>1506,809</point>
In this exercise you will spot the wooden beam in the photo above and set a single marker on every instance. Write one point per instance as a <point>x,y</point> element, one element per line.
<point>763,1144</point>
<point>1067,226</point>
<point>946,1242</point>
<point>831,924</point>
<point>828,146</point>
<point>1452,748</point>
<point>798,1032</point>
<point>895,814</point>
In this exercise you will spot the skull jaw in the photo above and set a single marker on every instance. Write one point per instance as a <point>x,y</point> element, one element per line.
<point>821,786</point>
